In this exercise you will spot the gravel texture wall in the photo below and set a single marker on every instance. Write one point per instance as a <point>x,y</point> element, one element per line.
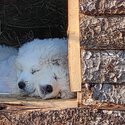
<point>102,28</point>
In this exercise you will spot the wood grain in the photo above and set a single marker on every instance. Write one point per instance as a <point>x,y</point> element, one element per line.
<point>74,45</point>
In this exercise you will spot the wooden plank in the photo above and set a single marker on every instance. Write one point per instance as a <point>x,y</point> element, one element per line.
<point>74,45</point>
<point>37,103</point>
<point>79,98</point>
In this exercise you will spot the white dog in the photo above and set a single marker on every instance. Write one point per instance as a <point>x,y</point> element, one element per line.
<point>8,74</point>
<point>42,69</point>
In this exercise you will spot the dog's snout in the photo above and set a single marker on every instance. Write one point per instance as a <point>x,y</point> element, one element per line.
<point>49,88</point>
<point>21,85</point>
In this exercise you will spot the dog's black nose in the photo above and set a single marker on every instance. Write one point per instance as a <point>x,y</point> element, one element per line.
<point>49,88</point>
<point>21,85</point>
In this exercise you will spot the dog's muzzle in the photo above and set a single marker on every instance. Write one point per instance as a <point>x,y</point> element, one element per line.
<point>46,89</point>
<point>21,85</point>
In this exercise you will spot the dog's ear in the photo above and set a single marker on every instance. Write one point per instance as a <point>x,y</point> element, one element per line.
<point>61,60</point>
<point>55,60</point>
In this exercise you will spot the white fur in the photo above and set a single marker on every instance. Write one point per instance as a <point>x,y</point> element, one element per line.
<point>47,60</point>
<point>8,75</point>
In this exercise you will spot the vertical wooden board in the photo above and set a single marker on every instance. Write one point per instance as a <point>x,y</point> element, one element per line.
<point>79,98</point>
<point>74,45</point>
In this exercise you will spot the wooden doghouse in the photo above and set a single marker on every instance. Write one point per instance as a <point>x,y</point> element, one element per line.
<point>96,69</point>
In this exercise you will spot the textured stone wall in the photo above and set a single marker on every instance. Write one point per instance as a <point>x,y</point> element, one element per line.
<point>102,7</point>
<point>71,116</point>
<point>102,32</point>
<point>102,27</point>
<point>106,66</point>
<point>109,93</point>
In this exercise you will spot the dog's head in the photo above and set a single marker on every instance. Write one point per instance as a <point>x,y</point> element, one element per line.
<point>28,67</point>
<point>42,69</point>
<point>47,80</point>
<point>52,81</point>
<point>27,72</point>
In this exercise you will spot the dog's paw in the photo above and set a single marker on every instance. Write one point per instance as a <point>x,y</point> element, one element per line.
<point>65,94</point>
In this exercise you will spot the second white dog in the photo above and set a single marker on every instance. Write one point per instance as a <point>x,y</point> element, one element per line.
<point>8,76</point>
<point>42,69</point>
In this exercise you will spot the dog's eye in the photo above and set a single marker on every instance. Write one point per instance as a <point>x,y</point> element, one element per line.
<point>55,77</point>
<point>56,62</point>
<point>34,71</point>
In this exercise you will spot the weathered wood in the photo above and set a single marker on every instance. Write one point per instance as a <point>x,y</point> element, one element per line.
<point>46,105</point>
<point>79,98</point>
<point>102,32</point>
<point>103,66</point>
<point>74,45</point>
<point>102,7</point>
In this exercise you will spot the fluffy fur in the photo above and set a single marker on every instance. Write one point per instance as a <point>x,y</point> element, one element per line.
<point>8,75</point>
<point>42,69</point>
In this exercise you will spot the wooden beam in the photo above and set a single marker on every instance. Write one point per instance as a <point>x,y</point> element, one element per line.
<point>74,45</point>
<point>30,103</point>
<point>79,98</point>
